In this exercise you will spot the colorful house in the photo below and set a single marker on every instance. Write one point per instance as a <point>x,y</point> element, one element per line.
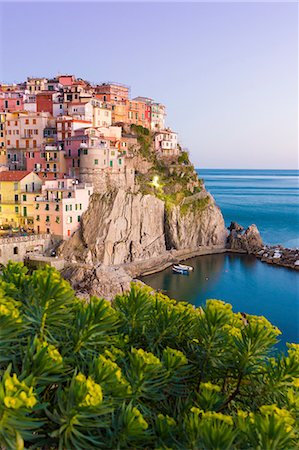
<point>49,161</point>
<point>166,143</point>
<point>59,208</point>
<point>17,192</point>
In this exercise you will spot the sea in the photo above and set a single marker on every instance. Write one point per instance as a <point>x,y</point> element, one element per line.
<point>267,198</point>
<point>270,200</point>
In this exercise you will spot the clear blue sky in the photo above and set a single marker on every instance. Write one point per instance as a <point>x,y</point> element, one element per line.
<point>227,72</point>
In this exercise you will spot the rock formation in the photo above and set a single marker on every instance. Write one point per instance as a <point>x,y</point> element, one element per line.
<point>196,222</point>
<point>249,240</point>
<point>118,227</point>
<point>100,280</point>
<point>121,227</point>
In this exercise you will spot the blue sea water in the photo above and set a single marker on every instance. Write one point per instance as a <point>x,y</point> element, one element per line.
<point>270,199</point>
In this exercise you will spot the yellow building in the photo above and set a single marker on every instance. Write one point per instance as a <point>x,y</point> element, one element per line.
<point>2,140</point>
<point>17,193</point>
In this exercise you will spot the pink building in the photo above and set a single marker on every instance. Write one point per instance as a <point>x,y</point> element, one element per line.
<point>67,125</point>
<point>59,208</point>
<point>49,162</point>
<point>11,101</point>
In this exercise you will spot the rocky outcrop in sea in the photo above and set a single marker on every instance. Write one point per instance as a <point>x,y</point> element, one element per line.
<point>250,241</point>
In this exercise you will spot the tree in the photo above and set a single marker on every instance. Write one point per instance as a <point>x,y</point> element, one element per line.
<point>143,372</point>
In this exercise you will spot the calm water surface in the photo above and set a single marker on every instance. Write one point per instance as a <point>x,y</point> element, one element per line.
<point>268,198</point>
<point>245,282</point>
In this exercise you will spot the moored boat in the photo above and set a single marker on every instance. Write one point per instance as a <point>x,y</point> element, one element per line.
<point>178,269</point>
<point>184,267</point>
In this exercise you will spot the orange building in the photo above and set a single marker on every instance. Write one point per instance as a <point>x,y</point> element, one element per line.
<point>112,92</point>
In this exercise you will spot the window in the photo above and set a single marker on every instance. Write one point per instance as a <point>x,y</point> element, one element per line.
<point>27,121</point>
<point>96,161</point>
<point>69,219</point>
<point>66,207</point>
<point>79,218</point>
<point>37,218</point>
<point>47,207</point>
<point>34,121</point>
<point>119,161</point>
<point>57,208</point>
<point>80,206</point>
<point>15,251</point>
<point>16,209</point>
<point>85,151</point>
<point>111,163</point>
<point>57,220</point>
<point>37,206</point>
<point>47,218</point>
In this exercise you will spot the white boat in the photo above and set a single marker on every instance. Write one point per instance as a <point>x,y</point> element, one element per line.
<point>181,269</point>
<point>189,268</point>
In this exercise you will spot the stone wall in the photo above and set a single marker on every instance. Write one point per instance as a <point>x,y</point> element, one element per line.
<point>15,248</point>
<point>104,180</point>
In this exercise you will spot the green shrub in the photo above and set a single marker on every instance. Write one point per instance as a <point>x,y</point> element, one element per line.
<point>143,372</point>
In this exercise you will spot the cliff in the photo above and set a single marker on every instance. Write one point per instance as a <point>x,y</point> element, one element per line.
<point>168,209</point>
<point>121,227</point>
<point>118,227</point>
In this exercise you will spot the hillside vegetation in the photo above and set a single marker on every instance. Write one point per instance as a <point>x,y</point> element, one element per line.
<point>171,180</point>
<point>143,372</point>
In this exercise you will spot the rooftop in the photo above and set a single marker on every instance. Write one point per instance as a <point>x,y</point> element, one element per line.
<point>13,175</point>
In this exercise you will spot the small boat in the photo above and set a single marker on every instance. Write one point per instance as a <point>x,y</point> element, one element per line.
<point>182,266</point>
<point>178,269</point>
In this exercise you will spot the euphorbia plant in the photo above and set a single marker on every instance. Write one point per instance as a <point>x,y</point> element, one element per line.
<point>143,371</point>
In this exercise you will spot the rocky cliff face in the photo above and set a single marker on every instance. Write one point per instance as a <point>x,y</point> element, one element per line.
<point>118,227</point>
<point>121,227</point>
<point>196,222</point>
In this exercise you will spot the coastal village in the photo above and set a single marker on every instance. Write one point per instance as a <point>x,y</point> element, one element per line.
<point>63,139</point>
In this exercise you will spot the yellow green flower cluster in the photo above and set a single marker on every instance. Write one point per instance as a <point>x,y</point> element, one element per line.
<point>180,358</point>
<point>212,415</point>
<point>52,351</point>
<point>166,419</point>
<point>147,357</point>
<point>261,320</point>
<point>139,419</point>
<point>280,413</point>
<point>112,372</point>
<point>293,350</point>
<point>210,387</point>
<point>17,394</point>
<point>9,307</point>
<point>92,392</point>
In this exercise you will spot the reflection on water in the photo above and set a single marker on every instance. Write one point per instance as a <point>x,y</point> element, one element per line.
<point>243,281</point>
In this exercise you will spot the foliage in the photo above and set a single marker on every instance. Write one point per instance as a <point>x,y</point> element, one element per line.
<point>184,158</point>
<point>142,372</point>
<point>195,205</point>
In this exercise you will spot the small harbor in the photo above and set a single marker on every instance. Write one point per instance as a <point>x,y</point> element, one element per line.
<point>242,280</point>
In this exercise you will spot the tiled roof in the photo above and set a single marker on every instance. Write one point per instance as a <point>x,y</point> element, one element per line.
<point>13,175</point>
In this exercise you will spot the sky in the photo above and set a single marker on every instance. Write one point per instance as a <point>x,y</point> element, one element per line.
<point>227,72</point>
